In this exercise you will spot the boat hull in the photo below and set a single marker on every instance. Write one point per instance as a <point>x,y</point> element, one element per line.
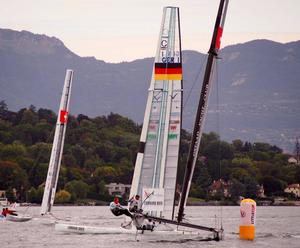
<point>136,234</point>
<point>18,218</point>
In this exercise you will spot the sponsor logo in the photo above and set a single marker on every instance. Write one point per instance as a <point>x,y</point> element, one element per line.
<point>147,194</point>
<point>152,127</point>
<point>173,136</point>
<point>153,199</point>
<point>252,214</point>
<point>151,136</point>
<point>173,127</point>
<point>201,119</point>
<point>76,228</point>
<point>163,44</point>
<point>243,213</point>
<point>153,203</point>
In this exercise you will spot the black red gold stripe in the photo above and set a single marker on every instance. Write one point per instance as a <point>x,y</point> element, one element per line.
<point>168,71</point>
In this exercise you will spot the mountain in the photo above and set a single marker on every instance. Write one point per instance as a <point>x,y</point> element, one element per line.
<point>256,92</point>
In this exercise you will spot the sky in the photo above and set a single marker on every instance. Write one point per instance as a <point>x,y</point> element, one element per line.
<point>124,30</point>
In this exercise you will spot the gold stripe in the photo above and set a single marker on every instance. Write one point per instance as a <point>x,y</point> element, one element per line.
<point>168,76</point>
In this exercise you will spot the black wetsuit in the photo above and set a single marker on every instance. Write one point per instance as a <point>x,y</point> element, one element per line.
<point>117,210</point>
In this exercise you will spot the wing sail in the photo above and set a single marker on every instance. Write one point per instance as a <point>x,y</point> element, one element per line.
<point>157,159</point>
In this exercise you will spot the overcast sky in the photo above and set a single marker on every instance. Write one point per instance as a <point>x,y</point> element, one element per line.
<point>124,30</point>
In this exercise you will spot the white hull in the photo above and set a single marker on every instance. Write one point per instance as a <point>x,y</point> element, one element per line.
<point>46,220</point>
<point>18,218</point>
<point>165,234</point>
<point>72,228</point>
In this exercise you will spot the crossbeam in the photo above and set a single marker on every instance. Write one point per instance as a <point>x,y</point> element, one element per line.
<point>204,228</point>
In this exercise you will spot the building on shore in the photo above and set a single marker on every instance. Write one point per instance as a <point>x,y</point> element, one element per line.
<point>223,187</point>
<point>220,187</point>
<point>260,191</point>
<point>293,189</point>
<point>3,199</point>
<point>118,189</point>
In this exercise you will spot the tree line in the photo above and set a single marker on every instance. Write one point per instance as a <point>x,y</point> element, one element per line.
<point>103,149</point>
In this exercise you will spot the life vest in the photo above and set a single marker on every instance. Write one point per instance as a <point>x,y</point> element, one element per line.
<point>133,205</point>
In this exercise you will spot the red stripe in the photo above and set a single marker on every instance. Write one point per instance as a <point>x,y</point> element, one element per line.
<point>168,70</point>
<point>219,35</point>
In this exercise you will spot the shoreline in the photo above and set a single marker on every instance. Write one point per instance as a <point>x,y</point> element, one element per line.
<point>286,203</point>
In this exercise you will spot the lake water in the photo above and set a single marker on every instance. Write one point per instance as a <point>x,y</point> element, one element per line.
<point>275,227</point>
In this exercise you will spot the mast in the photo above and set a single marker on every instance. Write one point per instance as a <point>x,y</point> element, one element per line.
<point>202,106</point>
<point>157,158</point>
<point>297,150</point>
<point>58,144</point>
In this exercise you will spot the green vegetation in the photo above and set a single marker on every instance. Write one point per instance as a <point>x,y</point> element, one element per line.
<point>103,149</point>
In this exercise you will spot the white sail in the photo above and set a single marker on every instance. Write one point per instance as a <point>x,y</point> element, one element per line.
<point>58,145</point>
<point>156,164</point>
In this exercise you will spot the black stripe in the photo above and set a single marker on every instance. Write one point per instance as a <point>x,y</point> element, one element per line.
<point>142,147</point>
<point>168,65</point>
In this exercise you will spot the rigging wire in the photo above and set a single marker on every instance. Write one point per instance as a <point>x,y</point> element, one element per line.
<point>196,79</point>
<point>40,149</point>
<point>219,132</point>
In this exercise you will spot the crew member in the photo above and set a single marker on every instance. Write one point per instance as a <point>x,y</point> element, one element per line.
<point>11,212</point>
<point>4,212</point>
<point>117,209</point>
<point>134,204</point>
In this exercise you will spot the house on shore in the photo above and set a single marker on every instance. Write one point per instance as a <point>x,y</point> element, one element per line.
<point>118,189</point>
<point>293,189</point>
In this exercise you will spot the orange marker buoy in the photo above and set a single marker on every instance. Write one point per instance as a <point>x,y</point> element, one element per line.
<point>247,220</point>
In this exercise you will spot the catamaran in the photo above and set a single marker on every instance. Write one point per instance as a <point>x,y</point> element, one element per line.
<point>156,164</point>
<point>193,151</point>
<point>157,159</point>
<point>155,172</point>
<point>58,145</point>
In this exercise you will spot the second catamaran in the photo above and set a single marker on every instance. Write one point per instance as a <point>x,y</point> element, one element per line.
<point>58,145</point>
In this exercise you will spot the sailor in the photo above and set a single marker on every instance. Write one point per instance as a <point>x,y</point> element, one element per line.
<point>117,209</point>
<point>11,212</point>
<point>4,212</point>
<point>134,204</point>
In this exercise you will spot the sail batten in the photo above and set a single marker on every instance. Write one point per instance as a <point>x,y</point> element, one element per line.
<point>57,147</point>
<point>156,164</point>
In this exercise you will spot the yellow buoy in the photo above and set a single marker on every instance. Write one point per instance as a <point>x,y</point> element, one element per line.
<point>247,220</point>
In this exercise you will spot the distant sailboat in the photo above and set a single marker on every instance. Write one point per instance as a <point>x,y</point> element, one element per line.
<point>58,145</point>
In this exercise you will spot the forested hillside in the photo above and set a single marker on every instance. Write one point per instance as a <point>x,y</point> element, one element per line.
<point>256,91</point>
<point>102,149</point>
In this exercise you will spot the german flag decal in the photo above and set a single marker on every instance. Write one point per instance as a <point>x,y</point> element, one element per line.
<point>168,71</point>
